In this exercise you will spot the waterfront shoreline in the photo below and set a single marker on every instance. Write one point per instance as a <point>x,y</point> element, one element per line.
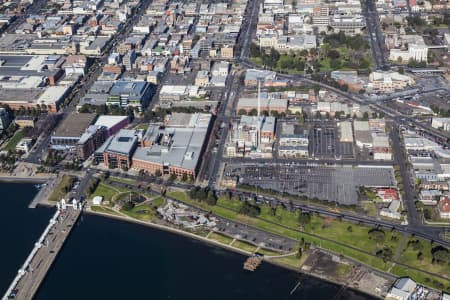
<point>216,243</point>
<point>13,179</point>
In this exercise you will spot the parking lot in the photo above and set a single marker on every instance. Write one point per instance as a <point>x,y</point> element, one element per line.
<point>255,236</point>
<point>324,142</point>
<point>330,183</point>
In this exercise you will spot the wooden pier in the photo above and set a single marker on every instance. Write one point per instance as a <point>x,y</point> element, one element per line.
<point>253,262</point>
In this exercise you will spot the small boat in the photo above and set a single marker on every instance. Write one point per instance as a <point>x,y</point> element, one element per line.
<point>38,186</point>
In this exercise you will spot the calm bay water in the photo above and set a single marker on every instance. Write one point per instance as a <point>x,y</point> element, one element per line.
<point>109,259</point>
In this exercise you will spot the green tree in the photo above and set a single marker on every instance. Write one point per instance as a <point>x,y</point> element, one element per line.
<point>377,235</point>
<point>286,62</point>
<point>441,255</point>
<point>335,64</point>
<point>184,177</point>
<point>304,218</point>
<point>242,112</point>
<point>250,209</point>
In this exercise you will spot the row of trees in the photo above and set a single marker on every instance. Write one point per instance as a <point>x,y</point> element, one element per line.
<point>31,111</point>
<point>203,195</point>
<point>93,184</point>
<point>355,42</point>
<point>114,110</point>
<point>440,254</point>
<point>440,111</point>
<point>250,209</point>
<point>160,113</point>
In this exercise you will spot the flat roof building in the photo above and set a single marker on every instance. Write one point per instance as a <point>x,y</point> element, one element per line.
<point>112,123</point>
<point>117,151</point>
<point>130,93</point>
<point>346,132</point>
<point>176,148</point>
<point>93,137</point>
<point>266,104</point>
<point>70,131</point>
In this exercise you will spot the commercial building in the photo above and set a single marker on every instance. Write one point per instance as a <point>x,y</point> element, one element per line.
<point>118,150</point>
<point>252,76</point>
<point>363,135</point>
<point>24,121</point>
<point>266,105</point>
<point>70,131</point>
<point>441,123</point>
<point>24,81</point>
<point>91,139</point>
<point>130,93</point>
<point>349,24</point>
<point>345,132</point>
<point>52,97</point>
<point>293,142</point>
<point>381,148</point>
<point>202,78</point>
<point>251,133</point>
<point>416,49</point>
<point>388,81</point>
<point>176,148</point>
<point>174,93</point>
<point>112,123</point>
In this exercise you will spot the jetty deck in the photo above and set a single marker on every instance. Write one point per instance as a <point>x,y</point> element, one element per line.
<point>37,264</point>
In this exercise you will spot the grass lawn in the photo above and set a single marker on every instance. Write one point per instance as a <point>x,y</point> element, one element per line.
<point>268,252</point>
<point>104,210</point>
<point>232,203</point>
<point>106,191</point>
<point>281,216</point>
<point>291,261</point>
<point>122,180</point>
<point>158,201</point>
<point>244,246</point>
<point>141,212</point>
<point>358,236</point>
<point>220,238</point>
<point>409,257</point>
<point>257,60</point>
<point>14,140</point>
<point>61,189</point>
<point>332,229</point>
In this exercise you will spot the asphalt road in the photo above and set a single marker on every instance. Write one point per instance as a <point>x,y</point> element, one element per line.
<point>375,35</point>
<point>417,229</point>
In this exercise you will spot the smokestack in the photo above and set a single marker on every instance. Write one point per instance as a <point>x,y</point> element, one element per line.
<point>259,97</point>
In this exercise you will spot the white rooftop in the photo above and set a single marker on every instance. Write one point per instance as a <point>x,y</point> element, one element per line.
<point>109,121</point>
